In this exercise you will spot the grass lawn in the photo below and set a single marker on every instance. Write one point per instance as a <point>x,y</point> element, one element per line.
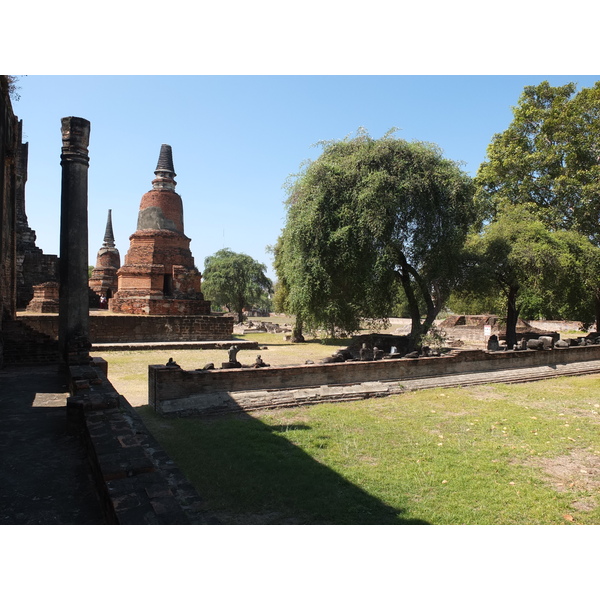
<point>494,454</point>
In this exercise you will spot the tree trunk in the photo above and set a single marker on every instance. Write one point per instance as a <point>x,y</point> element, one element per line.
<point>512,316</point>
<point>597,311</point>
<point>415,314</point>
<point>238,306</point>
<point>297,336</point>
<point>418,328</point>
<point>434,305</point>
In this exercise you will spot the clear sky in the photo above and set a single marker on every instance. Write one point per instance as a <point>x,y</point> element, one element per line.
<point>236,139</point>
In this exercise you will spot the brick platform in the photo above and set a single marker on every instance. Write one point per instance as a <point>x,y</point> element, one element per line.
<point>105,327</point>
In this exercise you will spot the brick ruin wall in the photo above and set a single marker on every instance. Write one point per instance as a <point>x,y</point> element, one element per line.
<point>177,391</point>
<point>9,144</point>
<point>133,328</point>
<point>137,482</point>
<point>33,268</point>
<point>161,306</point>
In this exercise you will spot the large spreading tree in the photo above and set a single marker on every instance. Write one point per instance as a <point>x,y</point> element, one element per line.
<point>548,162</point>
<point>370,216</point>
<point>235,280</point>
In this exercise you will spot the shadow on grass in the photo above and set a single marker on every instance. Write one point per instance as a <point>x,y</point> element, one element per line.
<point>250,473</point>
<point>285,428</point>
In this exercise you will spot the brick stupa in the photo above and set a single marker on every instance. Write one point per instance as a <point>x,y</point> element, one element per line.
<point>158,276</point>
<point>104,280</point>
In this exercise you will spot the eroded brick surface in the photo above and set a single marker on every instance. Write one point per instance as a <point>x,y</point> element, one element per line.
<point>159,276</point>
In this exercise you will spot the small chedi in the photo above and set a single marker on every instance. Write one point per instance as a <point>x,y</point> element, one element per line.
<point>158,276</point>
<point>104,280</point>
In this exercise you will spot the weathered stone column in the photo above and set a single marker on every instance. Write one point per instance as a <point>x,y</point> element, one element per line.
<point>73,333</point>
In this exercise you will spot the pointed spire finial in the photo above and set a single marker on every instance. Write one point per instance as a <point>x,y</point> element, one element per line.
<point>165,160</point>
<point>165,171</point>
<point>109,238</point>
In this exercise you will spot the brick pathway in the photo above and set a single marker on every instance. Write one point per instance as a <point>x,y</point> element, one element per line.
<point>44,474</point>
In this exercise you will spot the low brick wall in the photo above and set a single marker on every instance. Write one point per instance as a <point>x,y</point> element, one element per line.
<point>176,391</point>
<point>106,328</point>
<point>137,482</point>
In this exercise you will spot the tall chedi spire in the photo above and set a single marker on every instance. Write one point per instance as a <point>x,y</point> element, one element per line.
<point>104,279</point>
<point>161,207</point>
<point>158,276</point>
<point>165,172</point>
<point>109,236</point>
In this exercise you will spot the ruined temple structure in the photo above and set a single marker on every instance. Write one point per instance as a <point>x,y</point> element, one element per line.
<point>10,141</point>
<point>104,280</point>
<point>45,298</point>
<point>158,276</point>
<point>472,328</point>
<point>33,267</point>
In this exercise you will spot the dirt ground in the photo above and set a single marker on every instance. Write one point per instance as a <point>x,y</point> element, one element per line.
<point>579,470</point>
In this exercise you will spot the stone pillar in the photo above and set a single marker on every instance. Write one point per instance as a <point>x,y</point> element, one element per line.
<point>73,333</point>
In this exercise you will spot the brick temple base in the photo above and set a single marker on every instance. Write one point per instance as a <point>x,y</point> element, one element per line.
<point>162,306</point>
<point>105,327</point>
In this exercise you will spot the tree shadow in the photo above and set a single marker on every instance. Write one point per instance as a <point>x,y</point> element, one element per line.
<point>249,473</point>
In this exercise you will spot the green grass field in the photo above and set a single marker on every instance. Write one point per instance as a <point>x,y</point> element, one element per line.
<point>494,454</point>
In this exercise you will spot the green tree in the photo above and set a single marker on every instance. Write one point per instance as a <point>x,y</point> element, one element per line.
<point>519,259</point>
<point>474,302</point>
<point>235,280</point>
<point>548,161</point>
<point>367,215</point>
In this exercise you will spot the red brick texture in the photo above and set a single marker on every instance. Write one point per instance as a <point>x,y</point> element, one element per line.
<point>177,391</point>
<point>107,328</point>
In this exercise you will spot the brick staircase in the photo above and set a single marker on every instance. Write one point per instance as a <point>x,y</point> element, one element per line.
<point>23,345</point>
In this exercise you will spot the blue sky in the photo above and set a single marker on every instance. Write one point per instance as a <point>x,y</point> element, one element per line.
<point>236,139</point>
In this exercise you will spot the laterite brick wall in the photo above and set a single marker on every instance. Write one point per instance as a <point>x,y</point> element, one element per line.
<point>176,391</point>
<point>133,328</point>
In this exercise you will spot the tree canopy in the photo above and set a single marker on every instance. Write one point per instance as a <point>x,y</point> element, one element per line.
<point>548,162</point>
<point>367,216</point>
<point>548,158</point>
<point>235,280</point>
